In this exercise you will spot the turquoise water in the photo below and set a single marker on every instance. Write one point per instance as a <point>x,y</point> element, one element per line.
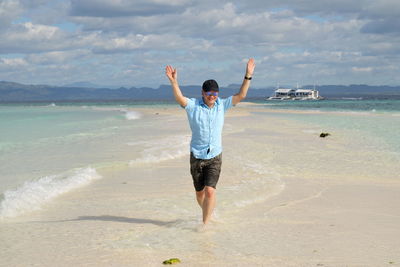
<point>49,148</point>
<point>379,105</point>
<point>36,141</point>
<point>377,119</point>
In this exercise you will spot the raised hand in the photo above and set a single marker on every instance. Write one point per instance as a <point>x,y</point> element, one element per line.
<point>171,73</point>
<point>250,67</point>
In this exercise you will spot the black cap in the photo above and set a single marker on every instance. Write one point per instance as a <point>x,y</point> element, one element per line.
<point>210,85</point>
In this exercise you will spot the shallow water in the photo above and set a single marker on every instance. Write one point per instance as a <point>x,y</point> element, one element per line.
<point>345,105</point>
<point>55,143</point>
<point>117,181</point>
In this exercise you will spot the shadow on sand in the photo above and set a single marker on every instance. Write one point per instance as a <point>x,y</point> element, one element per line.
<point>109,218</point>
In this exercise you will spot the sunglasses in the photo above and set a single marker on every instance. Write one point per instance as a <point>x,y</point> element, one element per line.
<point>211,93</point>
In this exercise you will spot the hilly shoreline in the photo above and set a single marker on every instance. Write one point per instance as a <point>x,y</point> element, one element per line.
<point>17,92</point>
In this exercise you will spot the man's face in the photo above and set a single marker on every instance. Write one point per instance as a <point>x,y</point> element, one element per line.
<point>210,97</point>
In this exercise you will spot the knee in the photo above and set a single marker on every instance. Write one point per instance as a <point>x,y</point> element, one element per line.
<point>200,193</point>
<point>209,191</point>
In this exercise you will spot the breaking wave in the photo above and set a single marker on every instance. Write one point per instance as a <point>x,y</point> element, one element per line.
<point>32,195</point>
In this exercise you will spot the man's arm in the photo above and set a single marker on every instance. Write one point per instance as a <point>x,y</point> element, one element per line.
<point>246,83</point>
<point>172,75</point>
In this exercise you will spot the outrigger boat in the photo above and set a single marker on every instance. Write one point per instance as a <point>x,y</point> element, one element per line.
<point>295,94</point>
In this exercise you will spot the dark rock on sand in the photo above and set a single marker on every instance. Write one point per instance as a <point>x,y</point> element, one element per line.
<point>324,134</point>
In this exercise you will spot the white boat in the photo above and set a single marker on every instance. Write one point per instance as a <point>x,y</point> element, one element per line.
<point>307,94</point>
<point>295,94</point>
<point>283,94</point>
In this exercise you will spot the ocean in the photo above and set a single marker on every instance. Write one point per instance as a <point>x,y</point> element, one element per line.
<point>379,118</point>
<point>50,149</point>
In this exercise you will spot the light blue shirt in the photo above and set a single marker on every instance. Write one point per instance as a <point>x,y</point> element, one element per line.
<point>206,125</point>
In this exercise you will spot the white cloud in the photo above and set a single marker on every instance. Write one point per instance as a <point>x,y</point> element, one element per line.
<point>57,57</point>
<point>28,37</point>
<point>13,62</point>
<point>133,42</point>
<point>362,69</point>
<point>36,32</point>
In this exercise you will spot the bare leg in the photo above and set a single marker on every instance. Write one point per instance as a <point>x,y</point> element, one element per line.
<point>200,197</point>
<point>208,203</point>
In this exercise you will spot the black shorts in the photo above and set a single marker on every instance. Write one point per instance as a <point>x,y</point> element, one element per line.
<point>205,172</point>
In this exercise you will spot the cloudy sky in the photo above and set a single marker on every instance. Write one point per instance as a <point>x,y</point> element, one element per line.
<point>129,42</point>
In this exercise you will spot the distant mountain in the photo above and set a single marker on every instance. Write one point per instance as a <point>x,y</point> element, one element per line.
<point>84,84</point>
<point>16,92</point>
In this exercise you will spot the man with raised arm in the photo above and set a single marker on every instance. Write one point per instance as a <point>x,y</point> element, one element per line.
<point>206,119</point>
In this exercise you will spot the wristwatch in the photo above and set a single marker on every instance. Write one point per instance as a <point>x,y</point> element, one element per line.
<point>248,78</point>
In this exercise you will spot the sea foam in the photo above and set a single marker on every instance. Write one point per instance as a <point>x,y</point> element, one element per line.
<point>132,115</point>
<point>164,149</point>
<point>32,195</point>
<point>129,114</point>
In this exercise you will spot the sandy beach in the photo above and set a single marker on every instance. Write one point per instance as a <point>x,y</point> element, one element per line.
<point>286,197</point>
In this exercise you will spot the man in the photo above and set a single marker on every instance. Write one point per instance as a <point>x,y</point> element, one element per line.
<point>206,119</point>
